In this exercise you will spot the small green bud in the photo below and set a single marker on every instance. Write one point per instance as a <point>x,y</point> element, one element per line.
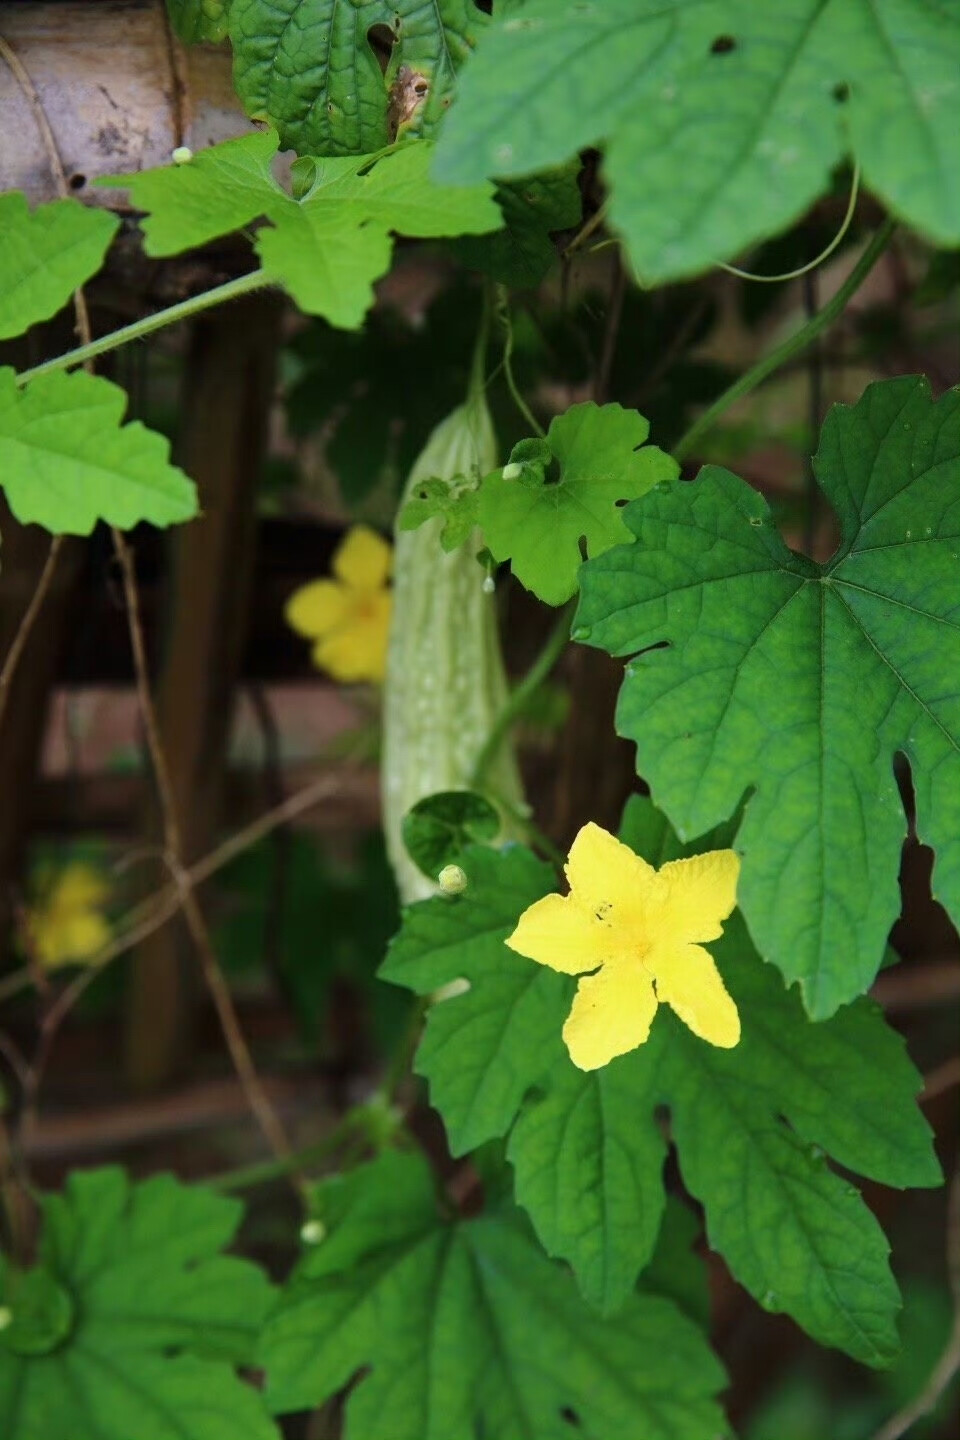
<point>6,1316</point>
<point>312,1232</point>
<point>452,880</point>
<point>513,471</point>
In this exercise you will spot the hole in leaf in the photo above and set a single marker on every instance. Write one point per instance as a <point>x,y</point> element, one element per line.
<point>570,1417</point>
<point>77,181</point>
<point>841,92</point>
<point>381,39</point>
<point>723,45</point>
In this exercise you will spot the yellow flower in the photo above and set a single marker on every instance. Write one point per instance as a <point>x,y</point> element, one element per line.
<point>349,617</point>
<point>69,926</point>
<point>637,930</point>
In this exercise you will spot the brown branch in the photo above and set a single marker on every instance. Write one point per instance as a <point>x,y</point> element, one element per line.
<point>267,1118</point>
<point>27,623</point>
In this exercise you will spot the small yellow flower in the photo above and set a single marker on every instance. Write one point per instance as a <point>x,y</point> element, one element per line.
<point>349,617</point>
<point>69,927</point>
<point>637,930</point>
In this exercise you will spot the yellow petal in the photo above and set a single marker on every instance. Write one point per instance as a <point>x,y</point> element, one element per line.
<point>79,886</point>
<point>688,981</point>
<point>602,871</point>
<point>559,932</point>
<point>317,608</point>
<point>362,560</point>
<point>700,893</point>
<point>69,938</point>
<point>357,649</point>
<point>612,1013</point>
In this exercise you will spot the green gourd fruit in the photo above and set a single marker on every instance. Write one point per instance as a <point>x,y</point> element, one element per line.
<point>445,683</point>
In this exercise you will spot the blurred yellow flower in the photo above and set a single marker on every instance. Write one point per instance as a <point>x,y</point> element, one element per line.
<point>348,617</point>
<point>69,926</point>
<point>636,929</point>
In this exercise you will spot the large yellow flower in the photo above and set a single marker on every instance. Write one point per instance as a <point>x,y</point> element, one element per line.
<point>637,930</point>
<point>69,927</point>
<point>348,617</point>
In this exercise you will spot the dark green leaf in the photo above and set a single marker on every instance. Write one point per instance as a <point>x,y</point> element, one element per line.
<point>133,1321</point>
<point>196,20</point>
<point>803,681</point>
<point>751,1122</point>
<point>440,827</point>
<point>309,68</point>
<point>468,1331</point>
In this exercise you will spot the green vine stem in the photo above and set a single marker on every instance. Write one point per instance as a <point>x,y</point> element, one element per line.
<point>139,329</point>
<point>533,679</point>
<point>796,343</point>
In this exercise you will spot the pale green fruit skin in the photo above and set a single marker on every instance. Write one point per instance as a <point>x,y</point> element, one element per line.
<point>445,683</point>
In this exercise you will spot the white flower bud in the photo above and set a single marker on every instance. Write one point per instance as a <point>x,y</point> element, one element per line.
<point>312,1232</point>
<point>182,155</point>
<point>513,471</point>
<point>489,585</point>
<point>452,880</point>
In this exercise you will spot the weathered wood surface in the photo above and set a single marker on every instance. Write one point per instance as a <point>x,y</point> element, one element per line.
<point>119,91</point>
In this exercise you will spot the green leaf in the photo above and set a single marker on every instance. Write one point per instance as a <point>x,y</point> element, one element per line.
<point>455,502</point>
<point>196,20</point>
<point>675,1270</point>
<point>131,1323</point>
<point>483,1050</point>
<point>468,1331</point>
<point>522,253</point>
<point>803,681</point>
<point>721,119</point>
<point>67,460</point>
<point>309,68</point>
<point>539,523</point>
<point>440,827</point>
<point>751,1124</point>
<point>328,246</point>
<point>45,255</point>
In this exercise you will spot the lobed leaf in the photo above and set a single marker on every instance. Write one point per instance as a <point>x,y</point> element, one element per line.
<point>131,1322</point>
<point>326,247</point>
<point>751,1124</point>
<point>308,66</point>
<point>802,682</point>
<point>45,255</point>
<point>722,120</point>
<point>540,523</point>
<point>67,460</point>
<point>467,1330</point>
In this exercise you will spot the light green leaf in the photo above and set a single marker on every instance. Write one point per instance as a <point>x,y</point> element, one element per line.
<point>45,255</point>
<point>308,67</point>
<point>751,1124</point>
<point>67,460</point>
<point>455,502</point>
<point>722,119</point>
<point>539,522</point>
<point>220,190</point>
<point>328,246</point>
<point>469,1331</point>
<point>196,20</point>
<point>803,681</point>
<point>131,1323</point>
